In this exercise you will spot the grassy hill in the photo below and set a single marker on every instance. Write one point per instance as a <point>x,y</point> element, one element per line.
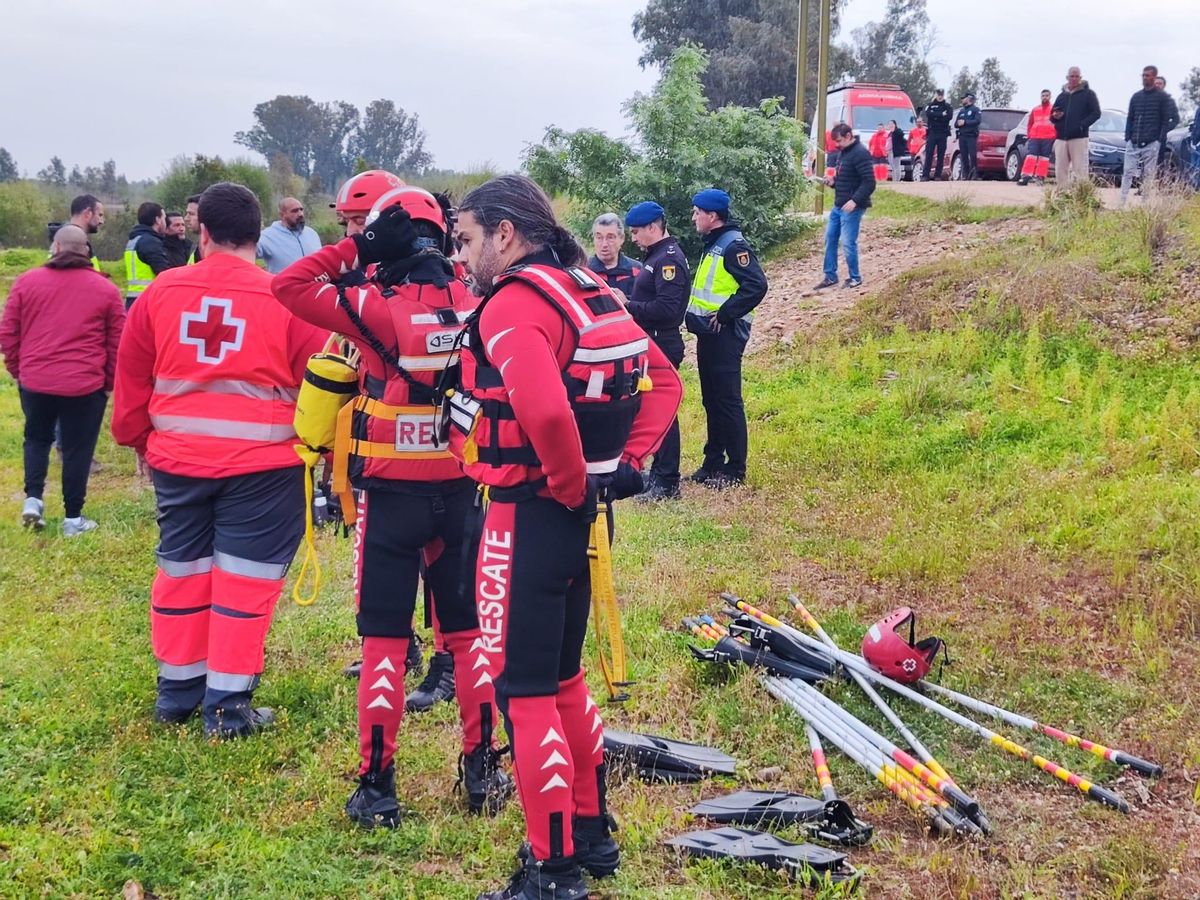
<point>1010,444</point>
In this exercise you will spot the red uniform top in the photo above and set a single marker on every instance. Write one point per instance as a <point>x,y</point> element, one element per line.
<point>531,344</point>
<point>418,324</point>
<point>209,369</point>
<point>879,144</point>
<point>1041,126</point>
<point>61,329</point>
<point>916,140</point>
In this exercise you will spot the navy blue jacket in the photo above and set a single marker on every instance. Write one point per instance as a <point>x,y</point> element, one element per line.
<point>660,296</point>
<point>1149,117</point>
<point>970,118</point>
<point>619,276</point>
<point>937,117</point>
<point>742,264</point>
<point>149,248</point>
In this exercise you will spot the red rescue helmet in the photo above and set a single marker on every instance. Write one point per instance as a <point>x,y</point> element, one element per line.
<point>359,193</point>
<point>421,205</point>
<point>891,655</point>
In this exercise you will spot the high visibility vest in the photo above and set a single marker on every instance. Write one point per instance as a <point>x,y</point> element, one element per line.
<point>604,378</point>
<point>712,284</point>
<point>225,389</point>
<point>95,262</point>
<point>138,275</point>
<point>393,421</point>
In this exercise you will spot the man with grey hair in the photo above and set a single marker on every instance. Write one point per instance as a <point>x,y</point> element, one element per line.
<point>614,267</point>
<point>59,335</point>
<point>287,239</point>
<point>1074,113</point>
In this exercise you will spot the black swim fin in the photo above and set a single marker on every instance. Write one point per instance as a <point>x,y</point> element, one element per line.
<point>731,652</point>
<point>805,861</point>
<point>765,637</point>
<point>826,820</point>
<point>662,759</point>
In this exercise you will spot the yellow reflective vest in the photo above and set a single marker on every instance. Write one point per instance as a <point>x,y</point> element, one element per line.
<point>712,284</point>
<point>138,274</point>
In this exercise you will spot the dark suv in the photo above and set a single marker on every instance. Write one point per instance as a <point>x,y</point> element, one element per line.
<point>1106,147</point>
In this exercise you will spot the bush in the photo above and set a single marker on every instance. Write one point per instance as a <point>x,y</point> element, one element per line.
<point>681,147</point>
<point>186,176</point>
<point>24,212</point>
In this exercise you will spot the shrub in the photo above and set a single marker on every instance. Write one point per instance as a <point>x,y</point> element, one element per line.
<point>24,212</point>
<point>681,146</point>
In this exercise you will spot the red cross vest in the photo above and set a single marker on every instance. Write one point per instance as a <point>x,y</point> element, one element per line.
<point>390,428</point>
<point>224,388</point>
<point>604,376</point>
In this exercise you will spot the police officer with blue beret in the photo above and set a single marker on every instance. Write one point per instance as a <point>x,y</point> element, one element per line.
<point>727,286</point>
<point>657,302</point>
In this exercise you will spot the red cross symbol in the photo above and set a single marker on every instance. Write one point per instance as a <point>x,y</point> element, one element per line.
<point>214,331</point>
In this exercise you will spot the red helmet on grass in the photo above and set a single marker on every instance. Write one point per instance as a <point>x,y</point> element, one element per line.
<point>890,654</point>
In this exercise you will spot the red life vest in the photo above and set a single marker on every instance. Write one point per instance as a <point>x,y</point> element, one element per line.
<point>604,377</point>
<point>393,421</point>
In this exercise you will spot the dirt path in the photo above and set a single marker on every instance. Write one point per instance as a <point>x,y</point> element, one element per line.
<point>887,249</point>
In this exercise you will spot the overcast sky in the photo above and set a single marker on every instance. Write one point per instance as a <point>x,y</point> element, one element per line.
<point>141,82</point>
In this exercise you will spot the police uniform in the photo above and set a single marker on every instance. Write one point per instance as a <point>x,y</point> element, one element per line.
<point>726,287</point>
<point>621,276</point>
<point>208,372</point>
<point>657,302</point>
<point>968,137</point>
<point>145,258</point>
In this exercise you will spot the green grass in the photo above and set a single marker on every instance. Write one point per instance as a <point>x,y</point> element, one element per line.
<point>955,209</point>
<point>1030,489</point>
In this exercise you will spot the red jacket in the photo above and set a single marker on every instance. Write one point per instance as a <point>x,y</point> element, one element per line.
<point>916,140</point>
<point>879,144</point>
<point>393,443</point>
<point>531,343</point>
<point>61,328</point>
<point>209,370</point>
<point>1041,126</point>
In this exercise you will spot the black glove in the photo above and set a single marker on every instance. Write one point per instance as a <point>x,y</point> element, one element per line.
<point>626,482</point>
<point>390,237</point>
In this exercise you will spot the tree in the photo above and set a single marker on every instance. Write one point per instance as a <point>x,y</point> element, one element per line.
<point>185,176</point>
<point>287,125</point>
<point>8,166</point>
<point>389,138</point>
<point>964,83</point>
<point>24,212</point>
<point>896,49</point>
<point>995,88</point>
<point>1189,93</point>
<point>55,173</point>
<point>332,159</point>
<point>681,146</point>
<point>751,46</point>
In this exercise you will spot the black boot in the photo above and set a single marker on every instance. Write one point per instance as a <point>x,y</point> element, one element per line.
<point>595,849</point>
<point>237,720</point>
<point>374,801</point>
<point>414,661</point>
<point>550,880</point>
<point>437,686</point>
<point>480,775</point>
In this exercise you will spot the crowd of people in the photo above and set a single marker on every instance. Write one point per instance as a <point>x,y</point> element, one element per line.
<point>509,389</point>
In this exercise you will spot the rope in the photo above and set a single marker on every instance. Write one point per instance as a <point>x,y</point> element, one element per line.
<point>605,612</point>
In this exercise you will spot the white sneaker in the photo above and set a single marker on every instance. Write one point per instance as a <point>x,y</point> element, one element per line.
<point>31,514</point>
<point>77,526</point>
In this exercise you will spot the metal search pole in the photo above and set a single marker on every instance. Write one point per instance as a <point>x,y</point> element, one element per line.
<point>802,56</point>
<point>822,90</point>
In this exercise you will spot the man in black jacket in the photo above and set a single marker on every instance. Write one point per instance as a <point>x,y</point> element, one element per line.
<point>967,125</point>
<point>852,188</point>
<point>145,256</point>
<point>1172,120</point>
<point>1146,128</point>
<point>1075,111</point>
<point>937,117</point>
<point>176,246</point>
<point>728,284</point>
<point>657,302</point>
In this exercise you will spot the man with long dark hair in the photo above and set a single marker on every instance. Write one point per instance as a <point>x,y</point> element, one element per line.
<point>561,398</point>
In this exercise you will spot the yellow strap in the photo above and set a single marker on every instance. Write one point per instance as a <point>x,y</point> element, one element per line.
<point>341,465</point>
<point>310,458</point>
<point>378,450</point>
<point>604,606</point>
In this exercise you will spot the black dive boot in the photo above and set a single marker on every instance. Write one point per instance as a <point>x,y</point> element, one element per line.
<point>373,803</point>
<point>595,849</point>
<point>437,686</point>
<point>560,879</point>
<point>414,661</point>
<point>485,783</point>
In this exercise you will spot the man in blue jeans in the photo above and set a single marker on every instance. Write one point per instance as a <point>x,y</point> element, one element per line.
<point>853,185</point>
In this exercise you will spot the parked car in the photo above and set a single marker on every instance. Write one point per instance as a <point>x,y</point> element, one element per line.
<point>1179,149</point>
<point>862,106</point>
<point>1106,147</point>
<point>993,132</point>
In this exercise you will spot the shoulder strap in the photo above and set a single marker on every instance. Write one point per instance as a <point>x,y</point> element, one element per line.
<point>724,241</point>
<point>376,344</point>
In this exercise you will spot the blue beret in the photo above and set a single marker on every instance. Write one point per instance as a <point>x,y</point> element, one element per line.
<point>711,200</point>
<point>644,213</point>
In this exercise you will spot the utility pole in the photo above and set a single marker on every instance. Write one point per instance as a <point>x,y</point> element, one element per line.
<point>802,57</point>
<point>822,90</point>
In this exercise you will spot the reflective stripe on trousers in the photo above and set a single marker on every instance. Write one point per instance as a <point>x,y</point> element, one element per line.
<point>182,673</point>
<point>233,683</point>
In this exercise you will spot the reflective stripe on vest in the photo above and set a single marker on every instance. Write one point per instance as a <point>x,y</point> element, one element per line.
<point>177,387</point>
<point>138,275</point>
<point>713,284</point>
<point>224,428</point>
